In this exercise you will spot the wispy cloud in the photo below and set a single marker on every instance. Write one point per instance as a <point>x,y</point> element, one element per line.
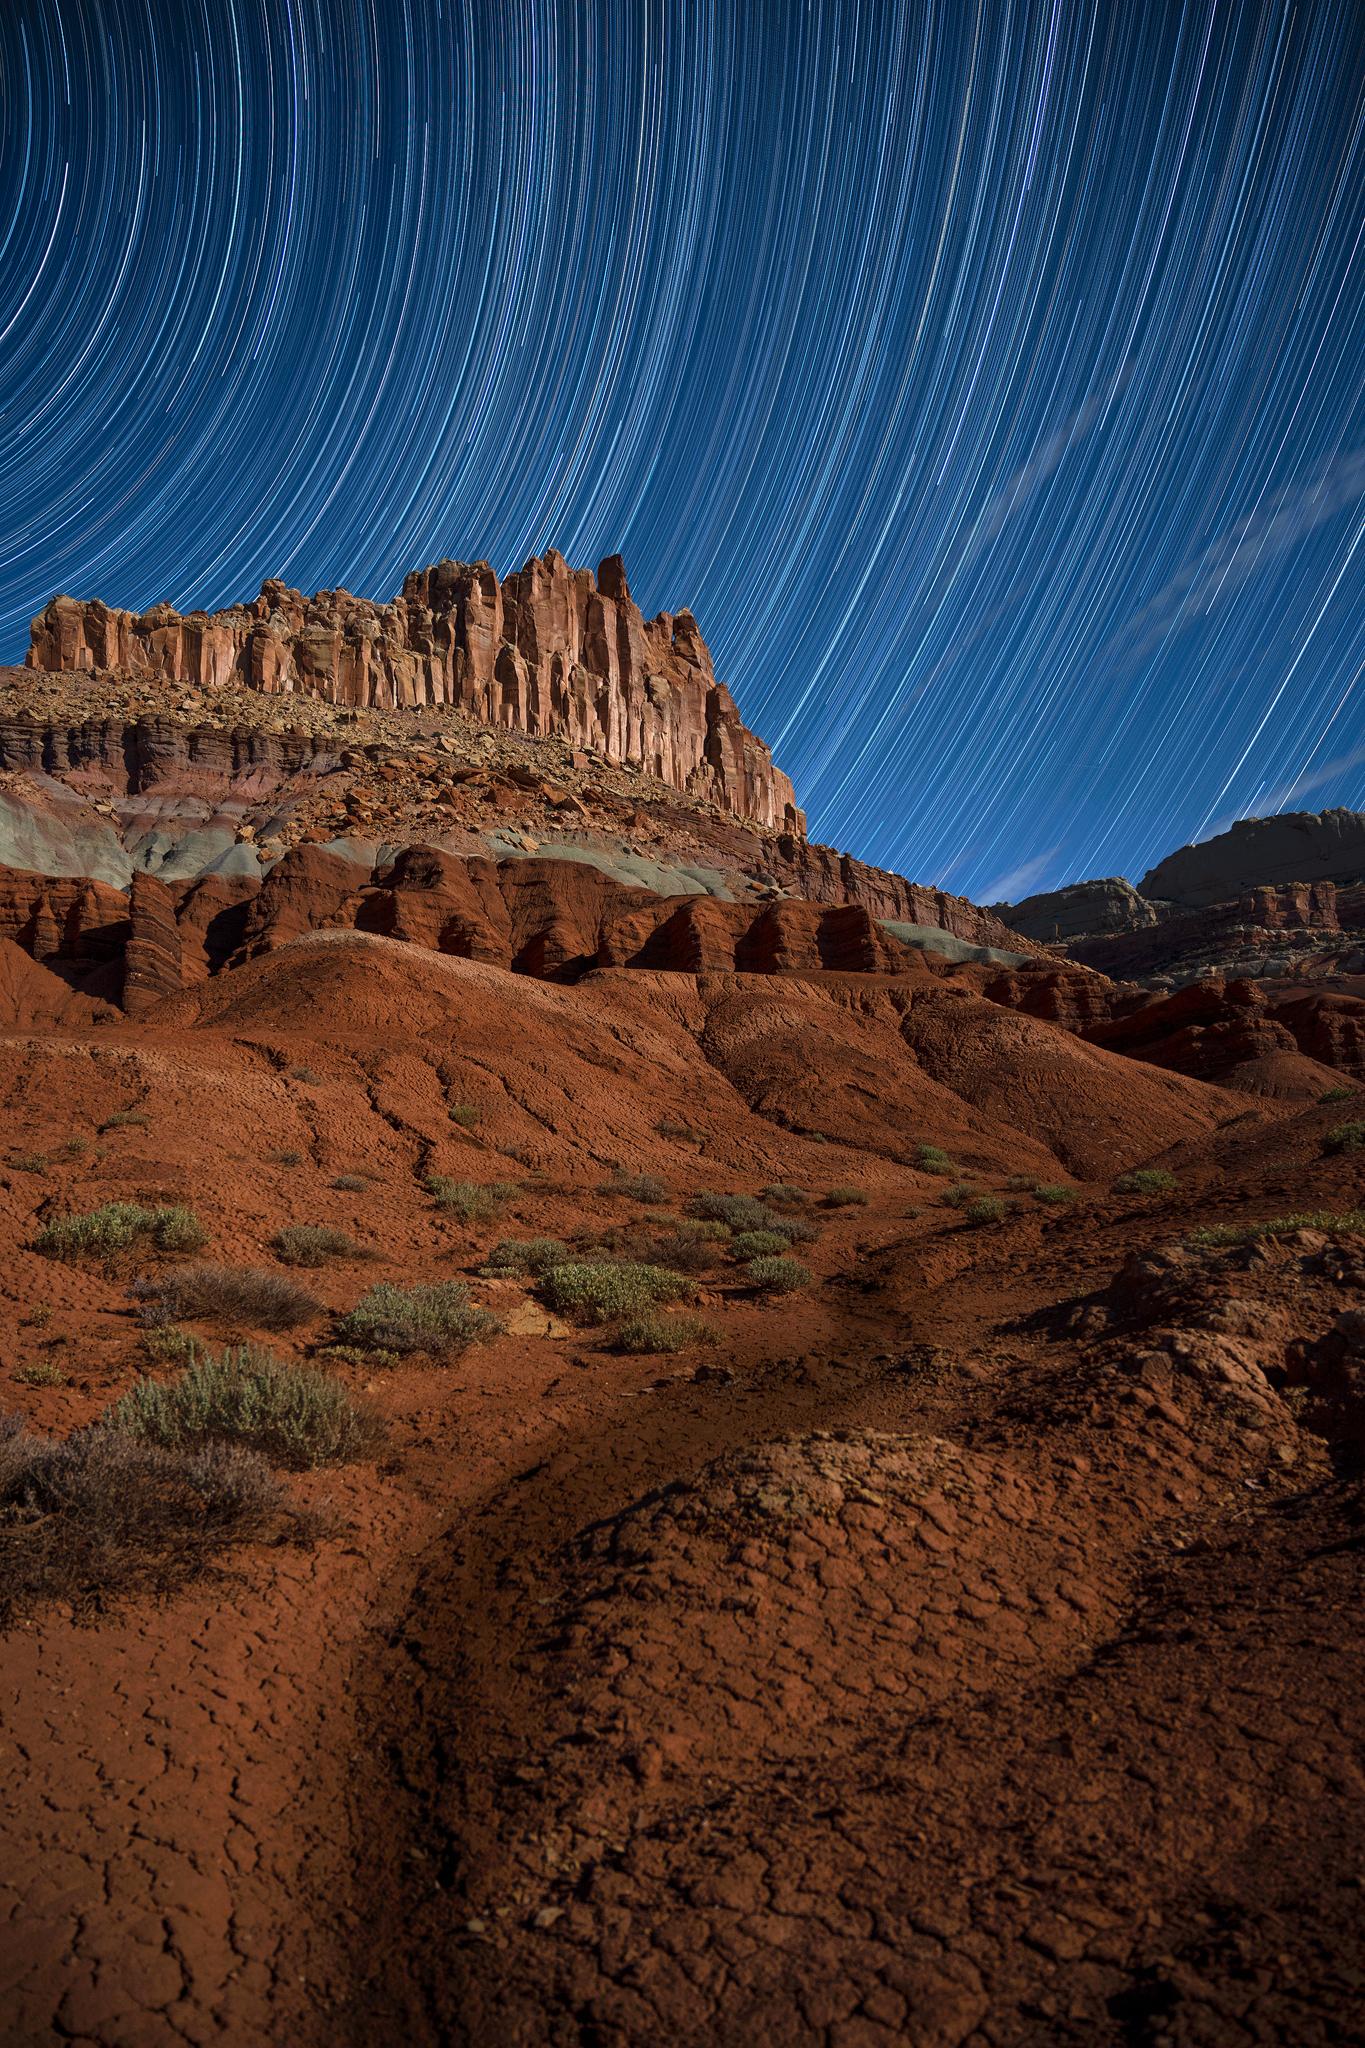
<point>1011,887</point>
<point>1045,460</point>
<point>1256,542</point>
<point>1315,778</point>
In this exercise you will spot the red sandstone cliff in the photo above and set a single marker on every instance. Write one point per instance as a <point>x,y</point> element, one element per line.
<point>549,651</point>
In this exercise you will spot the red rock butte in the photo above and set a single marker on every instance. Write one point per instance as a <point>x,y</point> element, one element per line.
<point>549,651</point>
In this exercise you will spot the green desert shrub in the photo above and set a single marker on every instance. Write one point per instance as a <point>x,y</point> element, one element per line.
<point>527,1255</point>
<point>846,1198</point>
<point>42,1373</point>
<point>984,1209</point>
<point>288,1158</point>
<point>102,1513</point>
<point>637,1187</point>
<point>465,1115</point>
<point>746,1212</point>
<point>232,1297</point>
<point>471,1200</point>
<point>687,1250</point>
<point>117,1227</point>
<point>1334,1222</point>
<point>1345,1138</point>
<point>1340,1094</point>
<point>780,1194</point>
<point>933,1159</point>
<point>292,1414</point>
<point>439,1319</point>
<point>778,1275</point>
<point>1055,1193</point>
<point>313,1244</point>
<point>121,1117</point>
<point>351,1183</point>
<point>959,1196</point>
<point>599,1291</point>
<point>760,1244</point>
<point>1146,1180</point>
<point>649,1332</point>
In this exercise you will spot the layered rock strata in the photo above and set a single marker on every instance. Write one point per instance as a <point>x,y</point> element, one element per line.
<point>550,650</point>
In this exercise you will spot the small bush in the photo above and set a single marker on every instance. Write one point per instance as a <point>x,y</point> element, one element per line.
<point>313,1244</point>
<point>1345,1138</point>
<point>637,1187</point>
<point>746,1212</point>
<point>1341,1094</point>
<point>470,1200</point>
<point>759,1244</point>
<point>292,1414</point>
<point>958,1197</point>
<point>352,1354</point>
<point>933,1159</point>
<point>28,1162</point>
<point>846,1198</point>
<point>649,1333</point>
<point>117,1227</point>
<point>439,1319</point>
<point>778,1275</point>
<point>1055,1192</point>
<point>985,1209</point>
<point>167,1344</point>
<point>465,1115</point>
<point>122,1117</point>
<point>1332,1221</point>
<point>233,1297</point>
<point>669,1127</point>
<point>104,1513</point>
<point>285,1158</point>
<point>526,1255</point>
<point>1146,1180</point>
<point>599,1292</point>
<point>350,1183</point>
<point>41,1374</point>
<point>782,1195</point>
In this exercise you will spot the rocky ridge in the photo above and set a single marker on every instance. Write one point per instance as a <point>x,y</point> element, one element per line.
<point>549,651</point>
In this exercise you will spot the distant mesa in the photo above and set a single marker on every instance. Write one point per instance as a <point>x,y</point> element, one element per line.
<point>549,651</point>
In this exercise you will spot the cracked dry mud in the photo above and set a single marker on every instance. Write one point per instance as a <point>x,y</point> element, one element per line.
<point>964,1650</point>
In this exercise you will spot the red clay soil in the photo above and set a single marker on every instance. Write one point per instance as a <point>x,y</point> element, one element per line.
<point>964,1649</point>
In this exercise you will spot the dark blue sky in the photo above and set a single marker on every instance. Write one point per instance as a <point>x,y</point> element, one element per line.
<point>990,380</point>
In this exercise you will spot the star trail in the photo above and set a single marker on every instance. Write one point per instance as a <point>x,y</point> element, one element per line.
<point>990,380</point>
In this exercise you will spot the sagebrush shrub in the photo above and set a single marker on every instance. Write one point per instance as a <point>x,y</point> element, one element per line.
<point>312,1244</point>
<point>778,1275</point>
<point>638,1187</point>
<point>759,1244</point>
<point>527,1255</point>
<point>102,1513</point>
<point>933,1159</point>
<point>439,1319</point>
<point>600,1291</point>
<point>1345,1138</point>
<point>846,1198</point>
<point>293,1414</point>
<point>647,1333</point>
<point>233,1297</point>
<point>472,1201</point>
<point>117,1227</point>
<point>985,1209</point>
<point>1146,1180</point>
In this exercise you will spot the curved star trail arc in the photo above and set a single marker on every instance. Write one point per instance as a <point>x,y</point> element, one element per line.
<point>987,378</point>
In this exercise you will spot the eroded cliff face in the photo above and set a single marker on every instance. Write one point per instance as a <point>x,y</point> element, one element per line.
<point>549,651</point>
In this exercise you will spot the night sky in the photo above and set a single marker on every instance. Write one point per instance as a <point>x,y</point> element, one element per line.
<point>990,382</point>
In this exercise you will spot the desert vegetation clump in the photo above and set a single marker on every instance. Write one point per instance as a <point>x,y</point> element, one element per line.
<point>288,1158</point>
<point>779,1275</point>
<point>292,1414</point>
<point>781,1194</point>
<point>232,1297</point>
<point>465,1115</point>
<point>1055,1193</point>
<point>746,1212</point>
<point>649,1333</point>
<point>600,1291</point>
<point>846,1198</point>
<point>117,1227</point>
<point>121,1117</point>
<point>760,1244</point>
<point>1345,1138</point>
<point>982,1210</point>
<point>471,1200</point>
<point>102,1514</point>
<point>350,1183</point>
<point>958,1197</point>
<point>1332,1222</point>
<point>526,1255</point>
<point>933,1159</point>
<point>313,1244</point>
<point>1146,1180</point>
<point>42,1373</point>
<point>1338,1094</point>
<point>439,1319</point>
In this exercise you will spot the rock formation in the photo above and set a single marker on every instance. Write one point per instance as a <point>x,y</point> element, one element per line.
<point>1296,846</point>
<point>1079,911</point>
<point>549,650</point>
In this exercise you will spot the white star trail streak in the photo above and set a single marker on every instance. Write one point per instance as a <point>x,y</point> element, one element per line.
<point>988,377</point>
